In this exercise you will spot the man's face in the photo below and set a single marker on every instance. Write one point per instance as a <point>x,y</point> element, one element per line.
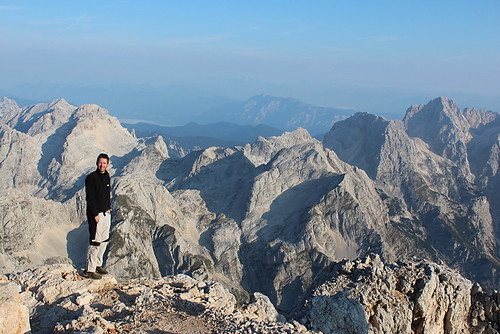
<point>102,164</point>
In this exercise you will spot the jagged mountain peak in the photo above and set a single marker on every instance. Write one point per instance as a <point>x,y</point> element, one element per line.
<point>478,118</point>
<point>444,101</point>
<point>440,111</point>
<point>438,104</point>
<point>367,115</point>
<point>5,99</point>
<point>93,131</point>
<point>59,103</point>
<point>263,149</point>
<point>463,136</point>
<point>361,119</point>
<point>57,113</point>
<point>358,138</point>
<point>300,134</point>
<point>361,123</point>
<point>439,123</point>
<point>41,118</point>
<point>91,110</point>
<point>103,127</point>
<point>7,104</point>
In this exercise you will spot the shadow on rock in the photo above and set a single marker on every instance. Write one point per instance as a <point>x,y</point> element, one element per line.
<point>77,241</point>
<point>191,308</point>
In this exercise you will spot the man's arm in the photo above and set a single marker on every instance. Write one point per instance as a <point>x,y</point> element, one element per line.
<point>90,192</point>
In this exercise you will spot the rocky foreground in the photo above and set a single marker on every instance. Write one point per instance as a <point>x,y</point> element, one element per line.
<point>57,299</point>
<point>369,296</point>
<point>360,296</point>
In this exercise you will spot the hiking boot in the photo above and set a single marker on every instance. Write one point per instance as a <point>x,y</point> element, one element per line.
<point>91,274</point>
<point>101,270</point>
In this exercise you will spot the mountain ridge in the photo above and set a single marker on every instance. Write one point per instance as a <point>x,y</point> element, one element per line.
<point>200,136</point>
<point>279,112</point>
<point>437,165</point>
<point>267,217</point>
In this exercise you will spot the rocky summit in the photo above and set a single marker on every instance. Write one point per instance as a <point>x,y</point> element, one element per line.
<point>268,217</point>
<point>360,296</point>
<point>60,300</point>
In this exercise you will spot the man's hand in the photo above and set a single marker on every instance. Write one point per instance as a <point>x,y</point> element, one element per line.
<point>96,218</point>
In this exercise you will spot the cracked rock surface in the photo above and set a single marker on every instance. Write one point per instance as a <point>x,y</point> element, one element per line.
<point>61,301</point>
<point>409,296</point>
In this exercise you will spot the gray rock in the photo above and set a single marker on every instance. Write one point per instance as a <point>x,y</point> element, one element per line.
<point>433,170</point>
<point>404,297</point>
<point>14,315</point>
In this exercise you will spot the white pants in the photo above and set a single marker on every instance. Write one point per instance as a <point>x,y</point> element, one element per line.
<point>96,249</point>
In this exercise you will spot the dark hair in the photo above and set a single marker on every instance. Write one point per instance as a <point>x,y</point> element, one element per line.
<point>102,156</point>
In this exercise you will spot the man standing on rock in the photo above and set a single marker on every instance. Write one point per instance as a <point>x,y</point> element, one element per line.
<point>98,195</point>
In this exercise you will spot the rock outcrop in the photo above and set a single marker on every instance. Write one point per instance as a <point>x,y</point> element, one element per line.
<point>410,296</point>
<point>59,300</point>
<point>352,296</point>
<point>14,315</point>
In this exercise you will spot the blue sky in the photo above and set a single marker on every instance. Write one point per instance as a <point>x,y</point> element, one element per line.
<point>358,54</point>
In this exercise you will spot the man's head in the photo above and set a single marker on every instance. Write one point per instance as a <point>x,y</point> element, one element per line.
<point>102,162</point>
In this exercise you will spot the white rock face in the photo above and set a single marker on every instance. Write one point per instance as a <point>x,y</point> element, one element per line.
<point>34,231</point>
<point>45,152</point>
<point>14,315</point>
<point>369,296</point>
<point>290,202</point>
<point>19,154</point>
<point>7,105</point>
<point>435,172</point>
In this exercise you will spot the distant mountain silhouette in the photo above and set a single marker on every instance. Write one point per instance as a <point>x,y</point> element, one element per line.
<point>279,112</point>
<point>216,134</point>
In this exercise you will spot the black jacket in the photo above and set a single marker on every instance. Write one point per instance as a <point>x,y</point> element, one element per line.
<point>98,192</point>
